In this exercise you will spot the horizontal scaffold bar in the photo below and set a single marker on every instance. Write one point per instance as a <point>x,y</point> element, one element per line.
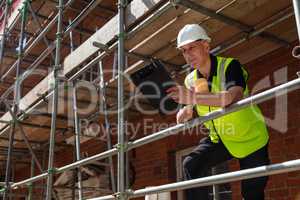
<point>266,170</point>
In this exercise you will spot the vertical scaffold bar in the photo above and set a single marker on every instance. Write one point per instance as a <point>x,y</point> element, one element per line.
<point>57,67</point>
<point>71,38</point>
<point>7,3</point>
<point>15,102</point>
<point>296,50</point>
<point>77,140</point>
<point>74,175</point>
<point>13,173</point>
<point>20,52</point>
<point>216,189</point>
<point>115,63</point>
<point>107,125</point>
<point>44,159</point>
<point>8,162</point>
<point>75,171</point>
<point>127,156</point>
<point>296,5</point>
<point>121,136</point>
<point>127,168</point>
<point>30,192</point>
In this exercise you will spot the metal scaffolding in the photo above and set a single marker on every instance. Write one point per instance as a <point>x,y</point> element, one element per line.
<point>56,76</point>
<point>121,133</point>
<point>17,97</point>
<point>77,140</point>
<point>261,97</point>
<point>5,14</point>
<point>122,146</point>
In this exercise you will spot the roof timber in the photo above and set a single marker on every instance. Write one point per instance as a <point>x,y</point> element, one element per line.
<point>104,35</point>
<point>135,11</point>
<point>15,15</point>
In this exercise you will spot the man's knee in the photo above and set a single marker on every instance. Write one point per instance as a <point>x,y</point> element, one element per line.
<point>188,164</point>
<point>194,167</point>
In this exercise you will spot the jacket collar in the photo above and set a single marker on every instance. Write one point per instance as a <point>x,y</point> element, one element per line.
<point>213,68</point>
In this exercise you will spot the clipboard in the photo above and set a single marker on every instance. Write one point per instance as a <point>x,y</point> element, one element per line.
<point>153,80</point>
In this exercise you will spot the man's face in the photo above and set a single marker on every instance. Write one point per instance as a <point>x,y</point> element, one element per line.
<point>196,53</point>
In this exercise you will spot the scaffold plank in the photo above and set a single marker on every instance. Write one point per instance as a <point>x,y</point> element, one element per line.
<point>107,33</point>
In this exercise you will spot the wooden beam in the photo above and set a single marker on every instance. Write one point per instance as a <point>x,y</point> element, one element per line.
<point>14,16</point>
<point>135,10</point>
<point>106,34</point>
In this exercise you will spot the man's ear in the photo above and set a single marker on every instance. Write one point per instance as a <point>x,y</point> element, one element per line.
<point>206,46</point>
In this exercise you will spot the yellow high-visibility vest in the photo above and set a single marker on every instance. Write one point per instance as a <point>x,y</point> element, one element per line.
<point>242,132</point>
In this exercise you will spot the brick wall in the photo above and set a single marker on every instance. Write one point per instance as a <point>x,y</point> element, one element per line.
<point>283,146</point>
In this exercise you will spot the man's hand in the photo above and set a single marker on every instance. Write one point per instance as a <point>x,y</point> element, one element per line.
<point>184,114</point>
<point>182,95</point>
<point>221,99</point>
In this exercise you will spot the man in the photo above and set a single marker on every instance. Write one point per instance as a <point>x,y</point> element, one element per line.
<point>242,135</point>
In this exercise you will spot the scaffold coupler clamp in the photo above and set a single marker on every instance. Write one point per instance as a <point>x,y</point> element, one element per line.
<point>122,3</point>
<point>3,190</point>
<point>42,96</point>
<point>175,3</point>
<point>23,114</point>
<point>102,47</point>
<point>59,74</point>
<point>121,35</point>
<point>123,195</point>
<point>60,7</point>
<point>52,171</point>
<point>61,77</point>
<point>29,184</point>
<point>296,52</point>
<point>122,147</point>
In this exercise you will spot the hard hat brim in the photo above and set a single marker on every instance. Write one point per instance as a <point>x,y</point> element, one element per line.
<point>190,41</point>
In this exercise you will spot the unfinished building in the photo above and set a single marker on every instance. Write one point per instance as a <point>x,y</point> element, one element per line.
<point>64,77</point>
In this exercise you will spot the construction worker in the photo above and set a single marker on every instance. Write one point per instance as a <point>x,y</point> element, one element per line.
<point>215,83</point>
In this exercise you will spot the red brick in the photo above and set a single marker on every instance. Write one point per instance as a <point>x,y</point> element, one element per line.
<point>295,193</point>
<point>278,193</point>
<point>292,182</point>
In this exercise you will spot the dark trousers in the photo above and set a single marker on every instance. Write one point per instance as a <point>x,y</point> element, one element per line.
<point>208,154</point>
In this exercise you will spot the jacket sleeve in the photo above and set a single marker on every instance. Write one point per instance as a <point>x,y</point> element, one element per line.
<point>234,75</point>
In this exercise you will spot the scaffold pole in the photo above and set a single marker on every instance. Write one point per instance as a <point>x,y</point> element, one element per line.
<point>57,68</point>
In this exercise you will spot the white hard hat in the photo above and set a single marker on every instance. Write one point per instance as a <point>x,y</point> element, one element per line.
<point>190,33</point>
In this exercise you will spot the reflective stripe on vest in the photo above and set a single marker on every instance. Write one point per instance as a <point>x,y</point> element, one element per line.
<point>242,132</point>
